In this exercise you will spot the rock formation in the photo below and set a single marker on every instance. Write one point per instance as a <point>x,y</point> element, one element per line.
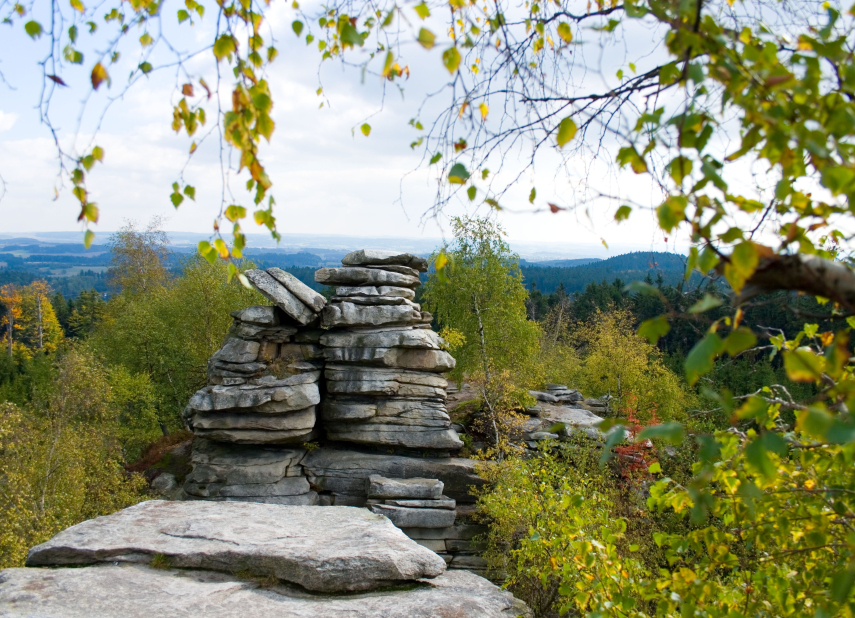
<point>183,559</point>
<point>383,363</point>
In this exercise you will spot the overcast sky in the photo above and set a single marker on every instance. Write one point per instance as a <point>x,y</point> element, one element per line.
<point>326,180</point>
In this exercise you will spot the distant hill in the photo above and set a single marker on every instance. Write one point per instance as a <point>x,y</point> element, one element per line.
<point>566,263</point>
<point>627,267</point>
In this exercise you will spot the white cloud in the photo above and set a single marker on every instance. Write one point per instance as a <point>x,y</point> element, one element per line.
<point>7,119</point>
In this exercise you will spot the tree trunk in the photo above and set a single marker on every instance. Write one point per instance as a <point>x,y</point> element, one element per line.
<point>39,309</point>
<point>487,380</point>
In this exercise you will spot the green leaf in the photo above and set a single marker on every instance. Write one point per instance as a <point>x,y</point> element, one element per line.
<point>458,174</point>
<point>614,436</point>
<point>351,36</point>
<point>701,357</point>
<point>654,468</point>
<point>146,40</point>
<point>623,213</point>
<point>654,328</point>
<point>183,16</point>
<point>176,199</point>
<point>145,67</point>
<point>435,158</point>
<point>422,10</point>
<point>739,340</point>
<point>207,251</point>
<point>672,212</point>
<point>566,131</point>
<point>33,28</point>
<point>297,27</point>
<point>426,38</point>
<point>743,262</point>
<point>803,365</point>
<point>451,59</point>
<point>88,237</point>
<point>672,432</point>
<point>265,125</point>
<point>98,153</point>
<point>757,453</point>
<point>224,46</point>
<point>641,287</point>
<point>705,304</point>
<point>532,195</point>
<point>565,32</point>
<point>629,156</point>
<point>679,168</point>
<point>190,192</point>
<point>366,129</point>
<point>471,192</point>
<point>841,584</point>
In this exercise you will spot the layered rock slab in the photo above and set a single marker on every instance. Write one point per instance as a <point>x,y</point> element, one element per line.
<point>326,549</point>
<point>136,591</point>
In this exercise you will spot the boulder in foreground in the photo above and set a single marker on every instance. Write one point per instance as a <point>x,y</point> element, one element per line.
<point>327,549</point>
<point>136,591</point>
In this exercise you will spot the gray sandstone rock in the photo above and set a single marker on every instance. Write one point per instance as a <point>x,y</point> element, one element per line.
<point>263,315</point>
<point>337,409</point>
<point>422,488</point>
<point>393,338</point>
<point>327,549</point>
<point>375,257</point>
<point>229,464</point>
<point>346,471</point>
<point>136,591</point>
<point>280,296</point>
<point>403,270</point>
<point>258,436</point>
<point>303,292</point>
<point>420,518</point>
<point>237,351</point>
<point>415,437</point>
<point>444,502</point>
<point>254,332</point>
<point>376,300</point>
<point>299,419</point>
<point>272,399</point>
<point>354,276</point>
<point>404,358</point>
<point>351,314</point>
<point>371,290</point>
<point>300,351</point>
<point>164,483</point>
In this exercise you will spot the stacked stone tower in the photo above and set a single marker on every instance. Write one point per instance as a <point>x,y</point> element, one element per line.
<point>264,386</point>
<point>383,362</point>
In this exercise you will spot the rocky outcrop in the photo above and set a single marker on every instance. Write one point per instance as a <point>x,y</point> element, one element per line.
<point>243,559</point>
<point>383,363</point>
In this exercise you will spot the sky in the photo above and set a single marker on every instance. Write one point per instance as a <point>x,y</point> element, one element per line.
<point>328,179</point>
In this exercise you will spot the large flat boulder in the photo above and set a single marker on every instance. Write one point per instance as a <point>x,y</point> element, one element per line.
<point>357,276</point>
<point>346,471</point>
<point>327,549</point>
<point>378,257</point>
<point>385,434</point>
<point>352,314</point>
<point>136,591</point>
<point>372,290</point>
<point>403,358</point>
<point>406,337</point>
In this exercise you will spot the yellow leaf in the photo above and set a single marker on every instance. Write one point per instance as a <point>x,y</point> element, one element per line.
<point>221,247</point>
<point>99,74</point>
<point>77,5</point>
<point>484,110</point>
